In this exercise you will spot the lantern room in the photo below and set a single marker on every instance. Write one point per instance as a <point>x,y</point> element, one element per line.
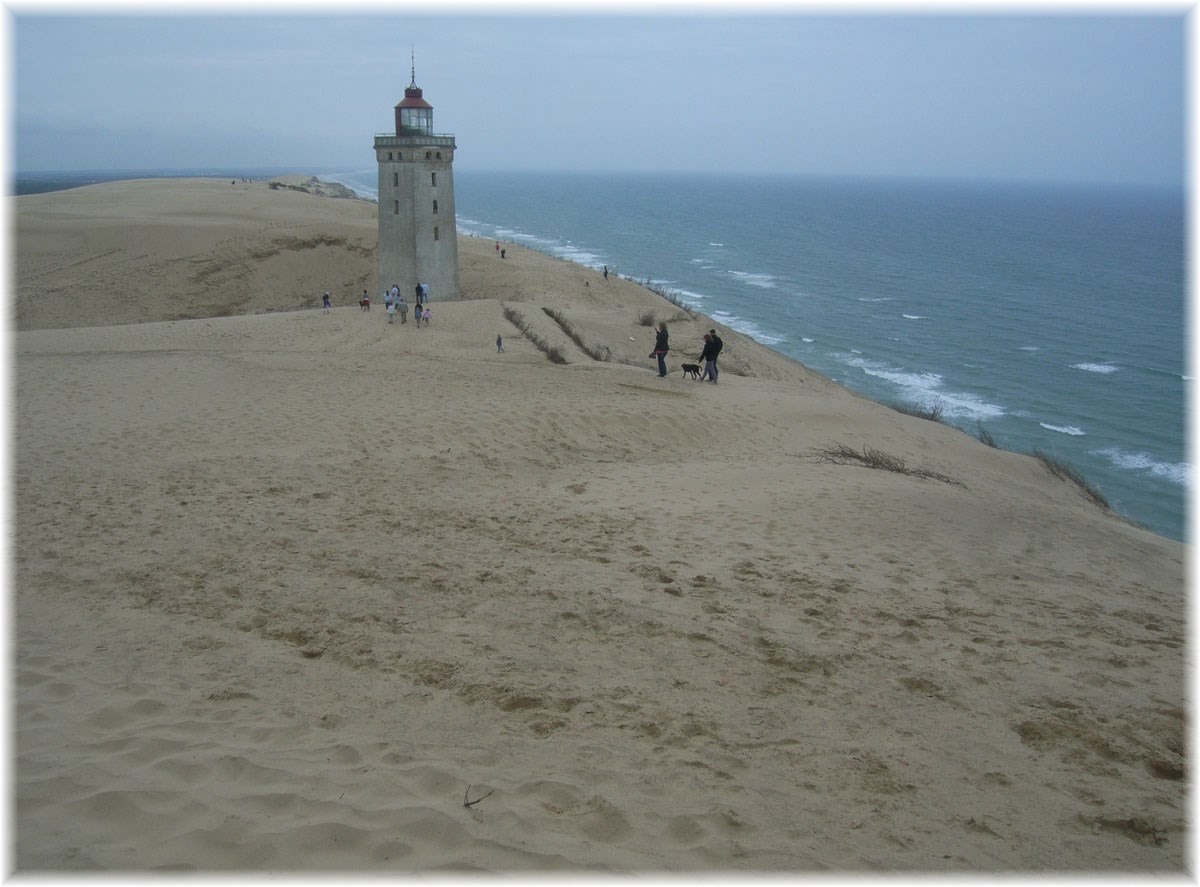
<point>414,115</point>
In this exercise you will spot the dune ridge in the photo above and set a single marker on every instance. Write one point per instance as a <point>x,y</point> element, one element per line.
<point>302,592</point>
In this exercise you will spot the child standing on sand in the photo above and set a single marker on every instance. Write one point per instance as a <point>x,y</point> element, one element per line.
<point>325,302</point>
<point>426,315</point>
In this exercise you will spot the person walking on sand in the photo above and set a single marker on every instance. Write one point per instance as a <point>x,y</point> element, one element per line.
<point>425,293</point>
<point>417,296</point>
<point>717,346</point>
<point>606,272</point>
<point>364,302</point>
<point>325,302</point>
<point>426,315</point>
<point>391,311</point>
<point>499,344</point>
<point>707,356</point>
<point>402,305</point>
<point>661,348</point>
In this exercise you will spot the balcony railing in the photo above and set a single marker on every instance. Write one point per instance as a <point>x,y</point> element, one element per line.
<point>413,137</point>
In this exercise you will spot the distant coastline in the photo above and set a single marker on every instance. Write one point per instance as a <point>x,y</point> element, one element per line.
<point>46,181</point>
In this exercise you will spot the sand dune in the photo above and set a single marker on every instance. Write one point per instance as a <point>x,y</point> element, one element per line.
<point>297,591</point>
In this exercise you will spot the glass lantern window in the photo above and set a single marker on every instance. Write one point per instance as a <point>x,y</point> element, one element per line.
<point>420,119</point>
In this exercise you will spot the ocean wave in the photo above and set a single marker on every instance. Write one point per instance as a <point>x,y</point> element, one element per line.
<point>880,299</point>
<point>747,327</point>
<point>1030,348</point>
<point>561,249</point>
<point>913,316</point>
<point>1064,429</point>
<point>1104,368</point>
<point>1176,472</point>
<point>752,278</point>
<point>925,389</point>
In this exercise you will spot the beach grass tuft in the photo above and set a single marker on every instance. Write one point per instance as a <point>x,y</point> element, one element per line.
<point>1063,471</point>
<point>553,352</point>
<point>671,296</point>
<point>985,436</point>
<point>840,454</point>
<point>933,412</point>
<point>595,352</point>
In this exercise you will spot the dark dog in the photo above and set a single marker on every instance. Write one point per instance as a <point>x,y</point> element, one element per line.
<point>692,369</point>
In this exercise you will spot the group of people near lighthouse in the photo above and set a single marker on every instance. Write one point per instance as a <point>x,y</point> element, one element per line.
<point>394,304</point>
<point>712,348</point>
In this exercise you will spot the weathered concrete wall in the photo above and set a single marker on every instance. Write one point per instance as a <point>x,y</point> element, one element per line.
<point>417,231</point>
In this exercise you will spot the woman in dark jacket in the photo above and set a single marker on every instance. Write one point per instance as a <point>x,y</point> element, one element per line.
<point>661,347</point>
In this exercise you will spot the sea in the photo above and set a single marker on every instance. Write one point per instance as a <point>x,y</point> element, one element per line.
<point>1050,318</point>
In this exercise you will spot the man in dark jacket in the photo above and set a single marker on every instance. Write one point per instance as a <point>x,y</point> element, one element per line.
<point>715,345</point>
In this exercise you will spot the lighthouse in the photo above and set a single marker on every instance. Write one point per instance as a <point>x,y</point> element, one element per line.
<point>418,240</point>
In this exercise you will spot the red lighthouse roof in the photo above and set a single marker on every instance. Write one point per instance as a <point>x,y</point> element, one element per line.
<point>412,98</point>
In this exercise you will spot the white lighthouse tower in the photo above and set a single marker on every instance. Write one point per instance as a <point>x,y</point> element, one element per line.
<point>418,241</point>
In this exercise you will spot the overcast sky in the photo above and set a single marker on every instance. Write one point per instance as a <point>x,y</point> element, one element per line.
<point>1083,97</point>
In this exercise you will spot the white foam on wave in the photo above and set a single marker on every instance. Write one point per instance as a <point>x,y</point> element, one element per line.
<point>747,327</point>
<point>1176,472</point>
<point>925,389</point>
<point>881,299</point>
<point>1064,429</point>
<point>1104,368</point>
<point>913,316</point>
<point>1030,348</point>
<point>807,340</point>
<point>752,278</point>
<point>560,249</point>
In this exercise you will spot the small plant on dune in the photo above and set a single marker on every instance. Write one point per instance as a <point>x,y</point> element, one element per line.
<point>984,435</point>
<point>869,457</point>
<point>933,412</point>
<point>671,296</point>
<point>646,318</point>
<point>1065,472</point>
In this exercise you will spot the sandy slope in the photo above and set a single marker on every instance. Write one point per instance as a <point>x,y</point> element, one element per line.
<point>291,587</point>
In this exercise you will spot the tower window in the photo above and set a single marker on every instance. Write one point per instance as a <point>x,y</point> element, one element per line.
<point>434,181</point>
<point>439,155</point>
<point>435,232</point>
<point>435,207</point>
<point>395,207</point>
<point>389,155</point>
<point>395,180</point>
<point>426,155</point>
